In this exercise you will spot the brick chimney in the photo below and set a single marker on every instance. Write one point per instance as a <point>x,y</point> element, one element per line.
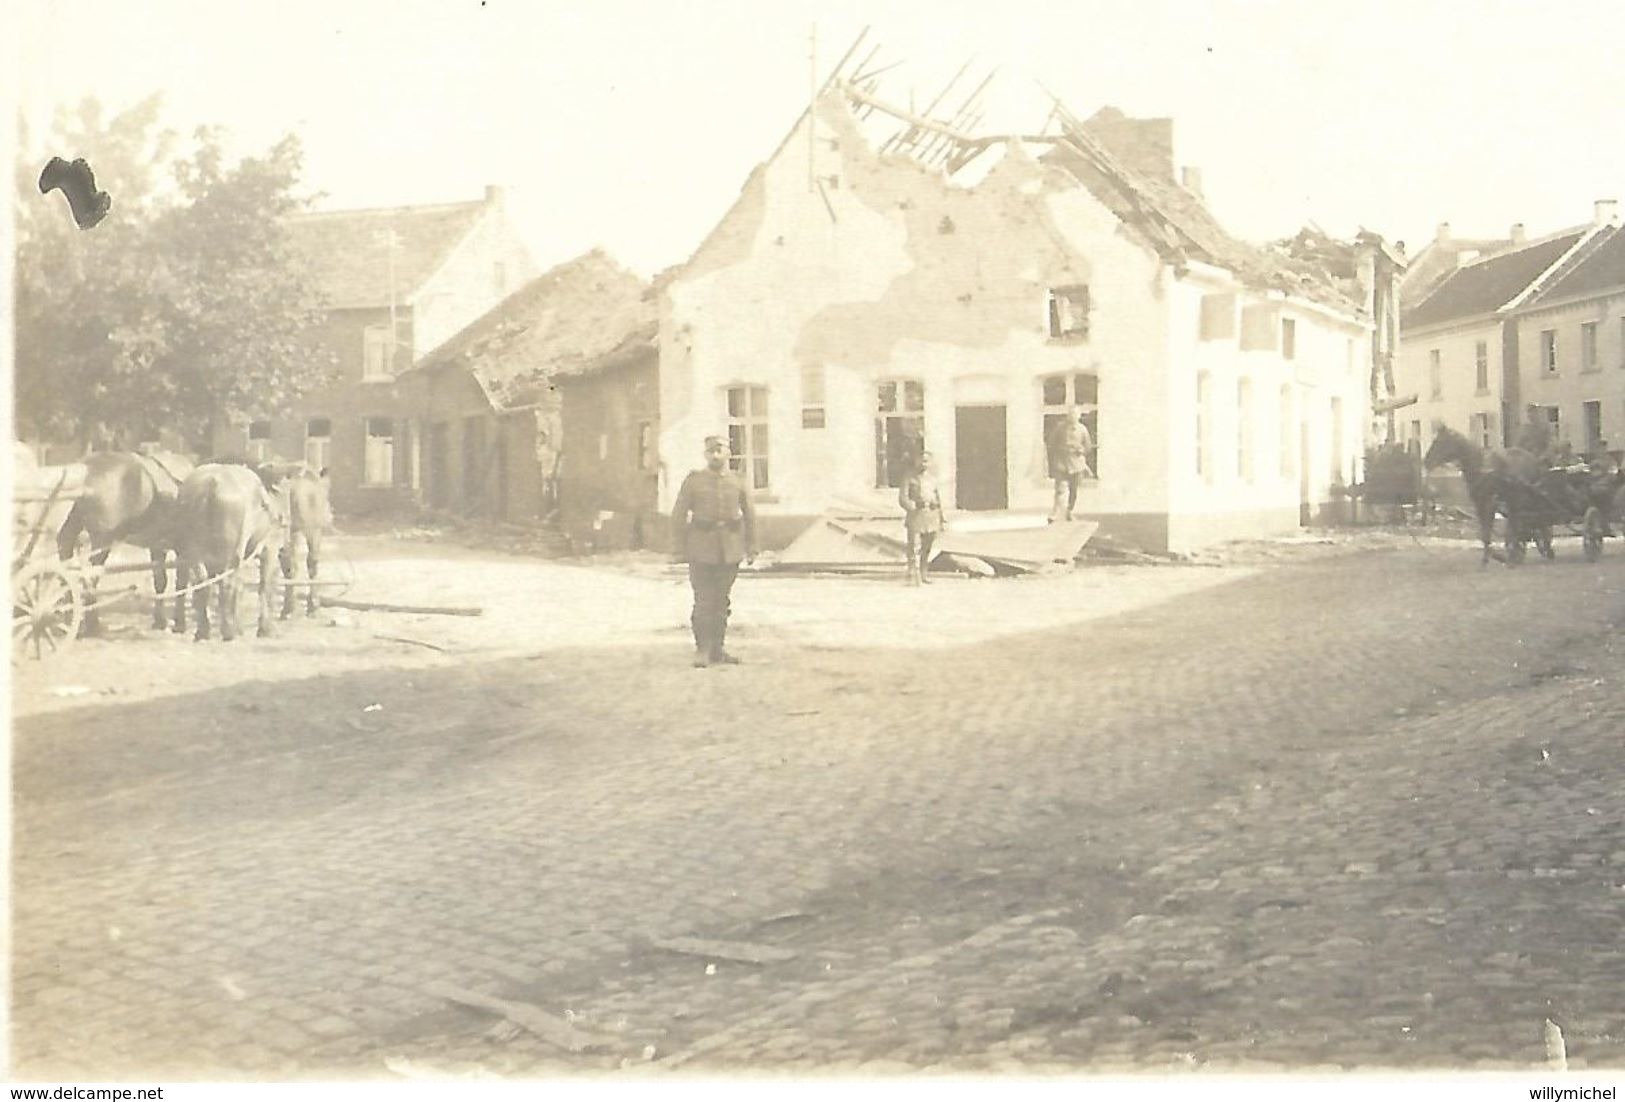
<point>1190,177</point>
<point>1518,235</point>
<point>1144,145</point>
<point>1605,212</point>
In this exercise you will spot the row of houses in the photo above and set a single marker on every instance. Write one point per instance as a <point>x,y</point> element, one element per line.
<point>1501,332</point>
<point>871,291</point>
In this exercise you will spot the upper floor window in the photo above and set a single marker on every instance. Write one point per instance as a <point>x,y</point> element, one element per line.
<point>1548,351</point>
<point>259,440</point>
<point>1435,375</point>
<point>377,353</point>
<point>1067,397</point>
<point>1481,365</point>
<point>747,434</point>
<point>1069,312</point>
<point>1289,339</point>
<point>1588,346</point>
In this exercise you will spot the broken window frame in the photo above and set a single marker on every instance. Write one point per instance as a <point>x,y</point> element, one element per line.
<point>1065,394</point>
<point>1068,312</point>
<point>899,429</point>
<point>378,451</point>
<point>745,407</point>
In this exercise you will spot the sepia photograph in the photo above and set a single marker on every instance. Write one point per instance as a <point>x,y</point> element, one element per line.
<point>876,544</point>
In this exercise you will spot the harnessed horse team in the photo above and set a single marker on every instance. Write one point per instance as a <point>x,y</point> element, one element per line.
<point>218,519</point>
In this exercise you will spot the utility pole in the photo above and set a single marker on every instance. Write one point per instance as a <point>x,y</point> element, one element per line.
<point>812,103</point>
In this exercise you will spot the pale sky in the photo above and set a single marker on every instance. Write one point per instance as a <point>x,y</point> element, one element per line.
<point>631,124</point>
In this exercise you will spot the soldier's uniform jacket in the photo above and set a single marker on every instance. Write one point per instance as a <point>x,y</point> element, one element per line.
<point>713,520</point>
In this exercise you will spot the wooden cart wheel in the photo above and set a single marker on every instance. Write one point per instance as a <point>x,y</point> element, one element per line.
<point>45,609</point>
<point>1592,534</point>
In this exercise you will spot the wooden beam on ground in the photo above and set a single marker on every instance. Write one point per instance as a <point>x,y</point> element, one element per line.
<point>743,951</point>
<point>555,1031</point>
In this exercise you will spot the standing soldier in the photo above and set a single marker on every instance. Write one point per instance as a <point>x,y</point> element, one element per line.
<point>713,528</point>
<point>1068,447</point>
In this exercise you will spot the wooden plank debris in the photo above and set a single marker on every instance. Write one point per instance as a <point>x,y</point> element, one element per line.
<point>743,951</point>
<point>555,1031</point>
<point>376,606</point>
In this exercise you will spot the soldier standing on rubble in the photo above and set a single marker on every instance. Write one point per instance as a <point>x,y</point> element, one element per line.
<point>922,516</point>
<point>713,528</point>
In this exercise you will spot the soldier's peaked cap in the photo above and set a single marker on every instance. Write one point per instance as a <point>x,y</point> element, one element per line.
<point>715,442</point>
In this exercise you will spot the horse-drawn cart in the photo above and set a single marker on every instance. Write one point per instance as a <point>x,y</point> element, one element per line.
<point>50,595</point>
<point>1585,500</point>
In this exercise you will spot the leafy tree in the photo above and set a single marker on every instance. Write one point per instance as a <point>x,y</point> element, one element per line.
<point>187,305</point>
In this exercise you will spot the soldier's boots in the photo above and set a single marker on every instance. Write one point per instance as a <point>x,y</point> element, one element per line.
<point>702,658</point>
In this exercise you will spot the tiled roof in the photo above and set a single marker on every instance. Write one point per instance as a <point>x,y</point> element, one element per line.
<point>1484,286</point>
<point>1437,260</point>
<point>1602,268</point>
<point>349,249</point>
<point>566,321</point>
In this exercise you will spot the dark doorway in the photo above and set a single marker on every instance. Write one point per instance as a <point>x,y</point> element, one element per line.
<point>980,472</point>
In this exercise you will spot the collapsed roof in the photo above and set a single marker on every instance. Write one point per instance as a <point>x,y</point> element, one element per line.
<point>1127,164</point>
<point>567,320</point>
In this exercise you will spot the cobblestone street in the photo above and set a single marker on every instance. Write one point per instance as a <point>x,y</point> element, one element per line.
<point>1355,811</point>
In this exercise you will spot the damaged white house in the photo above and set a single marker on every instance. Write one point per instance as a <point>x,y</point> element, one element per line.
<point>866,296</point>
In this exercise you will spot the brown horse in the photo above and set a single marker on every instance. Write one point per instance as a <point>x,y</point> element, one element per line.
<point>225,518</point>
<point>127,498</point>
<point>1509,481</point>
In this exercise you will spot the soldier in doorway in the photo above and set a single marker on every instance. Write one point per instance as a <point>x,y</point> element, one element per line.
<point>713,529</point>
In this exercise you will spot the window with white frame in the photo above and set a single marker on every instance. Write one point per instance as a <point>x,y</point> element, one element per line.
<point>1588,346</point>
<point>1552,418</point>
<point>1483,425</point>
<point>1244,429</point>
<point>378,460</point>
<point>1592,412</point>
<point>1069,312</point>
<point>899,429</point>
<point>1481,367</point>
<point>1065,398</point>
<point>1204,426</point>
<point>318,443</point>
<point>259,441</point>
<point>377,353</point>
<point>1435,375</point>
<point>747,434</point>
<point>1288,442</point>
<point>1548,351</point>
<point>812,396</point>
